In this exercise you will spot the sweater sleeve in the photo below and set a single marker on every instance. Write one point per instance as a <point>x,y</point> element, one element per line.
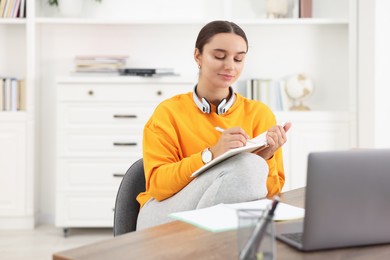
<point>166,169</point>
<point>275,180</point>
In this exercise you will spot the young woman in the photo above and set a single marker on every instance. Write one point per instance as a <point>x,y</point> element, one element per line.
<point>180,137</point>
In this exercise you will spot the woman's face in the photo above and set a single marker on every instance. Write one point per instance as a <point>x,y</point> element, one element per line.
<point>222,60</point>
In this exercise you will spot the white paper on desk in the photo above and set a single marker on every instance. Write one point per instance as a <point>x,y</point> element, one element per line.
<point>283,211</point>
<point>223,217</point>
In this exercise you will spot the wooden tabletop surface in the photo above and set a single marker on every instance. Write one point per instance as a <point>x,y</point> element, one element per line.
<point>179,240</point>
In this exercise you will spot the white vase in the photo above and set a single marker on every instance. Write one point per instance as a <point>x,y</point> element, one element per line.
<point>277,8</point>
<point>70,8</point>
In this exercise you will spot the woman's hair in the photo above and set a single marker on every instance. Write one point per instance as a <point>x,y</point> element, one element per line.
<point>215,27</point>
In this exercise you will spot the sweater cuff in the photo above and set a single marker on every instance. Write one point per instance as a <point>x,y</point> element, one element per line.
<point>197,162</point>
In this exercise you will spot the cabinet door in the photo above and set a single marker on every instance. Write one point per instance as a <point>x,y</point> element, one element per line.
<point>309,137</point>
<point>13,168</point>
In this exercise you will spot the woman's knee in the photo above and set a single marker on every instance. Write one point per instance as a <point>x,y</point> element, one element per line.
<point>249,173</point>
<point>249,164</point>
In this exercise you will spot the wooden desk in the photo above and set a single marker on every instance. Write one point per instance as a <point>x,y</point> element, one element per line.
<point>178,240</point>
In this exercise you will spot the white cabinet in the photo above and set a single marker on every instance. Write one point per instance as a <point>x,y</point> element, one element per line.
<point>14,212</point>
<point>13,166</point>
<point>99,135</point>
<point>311,132</point>
<point>17,128</point>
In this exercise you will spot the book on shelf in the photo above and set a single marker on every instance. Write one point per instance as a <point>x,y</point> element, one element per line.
<point>99,66</point>
<point>22,9</point>
<point>305,8</point>
<point>147,71</point>
<point>7,94</point>
<point>94,73</point>
<point>270,92</point>
<point>294,9</point>
<point>12,8</point>
<point>22,95</point>
<point>100,63</point>
<point>12,94</point>
<point>3,5</point>
<point>1,94</point>
<point>8,8</point>
<point>15,8</point>
<point>102,57</point>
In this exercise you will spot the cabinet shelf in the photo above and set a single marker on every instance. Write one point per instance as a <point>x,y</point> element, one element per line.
<point>122,79</point>
<point>12,21</point>
<point>308,21</point>
<point>97,21</point>
<point>9,116</point>
<point>100,21</point>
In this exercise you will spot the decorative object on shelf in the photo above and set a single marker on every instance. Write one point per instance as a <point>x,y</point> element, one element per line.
<point>69,8</point>
<point>277,8</point>
<point>282,8</point>
<point>299,87</point>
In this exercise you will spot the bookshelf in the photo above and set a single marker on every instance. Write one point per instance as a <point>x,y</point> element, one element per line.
<point>323,46</point>
<point>17,128</point>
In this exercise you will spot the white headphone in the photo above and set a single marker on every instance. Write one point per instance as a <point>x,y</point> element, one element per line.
<point>222,107</point>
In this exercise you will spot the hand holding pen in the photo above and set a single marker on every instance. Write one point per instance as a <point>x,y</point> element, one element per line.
<point>276,137</point>
<point>230,138</point>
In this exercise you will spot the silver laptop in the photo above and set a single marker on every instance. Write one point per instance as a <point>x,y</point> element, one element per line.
<point>347,201</point>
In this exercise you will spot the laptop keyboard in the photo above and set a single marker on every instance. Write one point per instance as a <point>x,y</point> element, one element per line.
<point>297,237</point>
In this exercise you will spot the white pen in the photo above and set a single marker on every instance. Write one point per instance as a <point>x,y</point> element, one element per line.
<point>220,129</point>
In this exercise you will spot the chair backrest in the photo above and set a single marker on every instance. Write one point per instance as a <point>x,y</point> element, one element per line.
<point>126,206</point>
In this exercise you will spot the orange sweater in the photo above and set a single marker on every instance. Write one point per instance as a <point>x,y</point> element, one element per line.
<point>178,132</point>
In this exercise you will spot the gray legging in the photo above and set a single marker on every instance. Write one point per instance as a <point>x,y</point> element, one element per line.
<point>240,178</point>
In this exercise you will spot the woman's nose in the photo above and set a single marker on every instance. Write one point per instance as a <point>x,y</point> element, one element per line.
<point>229,64</point>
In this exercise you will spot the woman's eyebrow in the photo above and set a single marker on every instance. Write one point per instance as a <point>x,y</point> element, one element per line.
<point>224,51</point>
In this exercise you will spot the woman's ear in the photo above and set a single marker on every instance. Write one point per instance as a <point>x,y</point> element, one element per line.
<point>197,56</point>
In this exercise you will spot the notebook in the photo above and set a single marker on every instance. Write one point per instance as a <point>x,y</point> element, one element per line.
<point>255,144</point>
<point>346,201</point>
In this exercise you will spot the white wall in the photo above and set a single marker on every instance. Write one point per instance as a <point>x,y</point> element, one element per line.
<point>373,73</point>
<point>382,74</point>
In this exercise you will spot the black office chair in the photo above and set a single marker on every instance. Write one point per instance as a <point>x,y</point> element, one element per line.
<point>126,206</point>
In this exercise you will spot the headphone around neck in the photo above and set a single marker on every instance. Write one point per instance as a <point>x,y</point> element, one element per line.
<point>222,107</point>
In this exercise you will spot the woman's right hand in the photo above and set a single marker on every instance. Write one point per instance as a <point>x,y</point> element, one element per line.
<point>230,138</point>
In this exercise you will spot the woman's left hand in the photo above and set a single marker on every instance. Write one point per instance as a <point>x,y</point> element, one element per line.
<point>276,137</point>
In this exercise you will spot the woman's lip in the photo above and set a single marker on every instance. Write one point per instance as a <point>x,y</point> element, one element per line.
<point>226,76</point>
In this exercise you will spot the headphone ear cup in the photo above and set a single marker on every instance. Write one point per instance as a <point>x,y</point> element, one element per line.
<point>221,107</point>
<point>206,106</point>
<point>203,104</point>
<point>224,105</point>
